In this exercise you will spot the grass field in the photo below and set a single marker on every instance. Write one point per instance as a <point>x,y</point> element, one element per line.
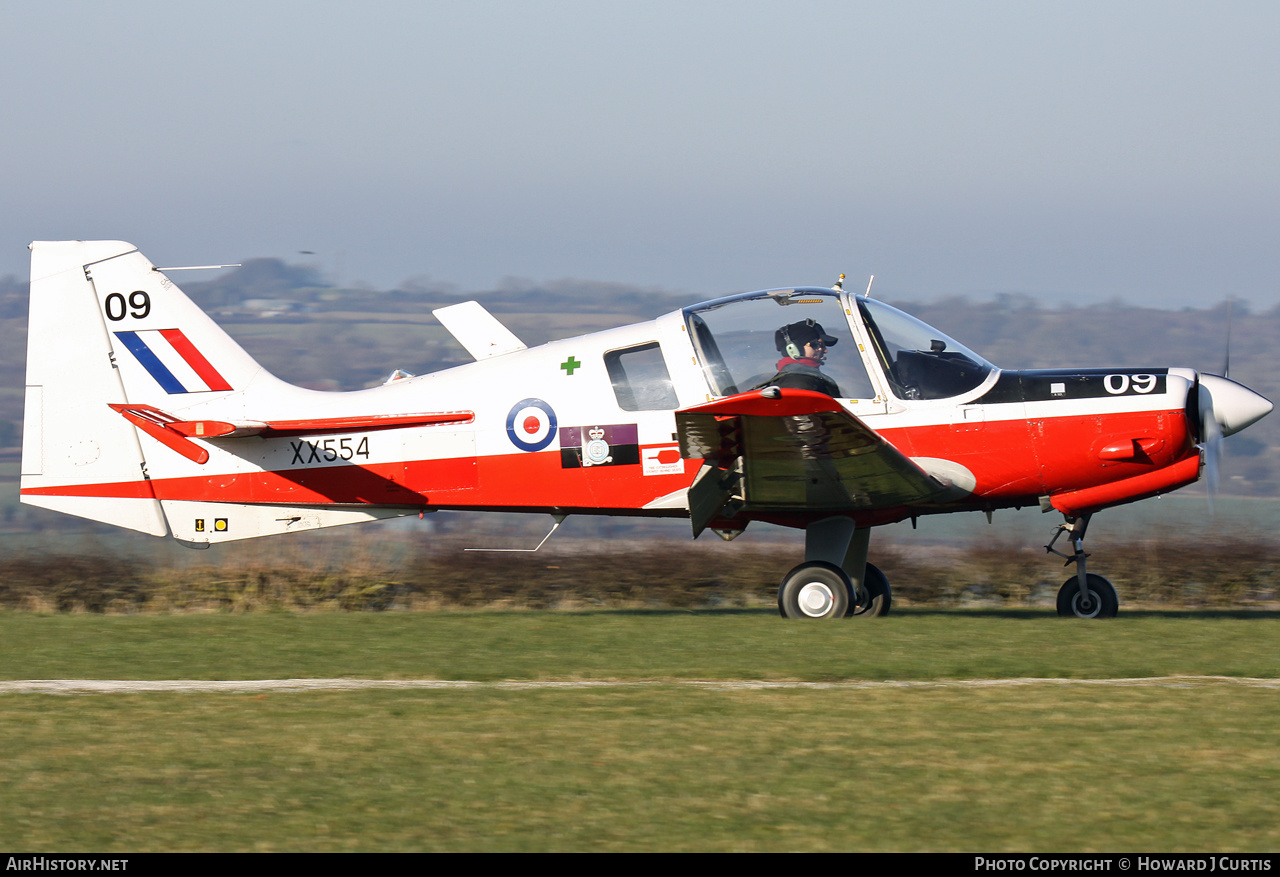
<point>1187,765</point>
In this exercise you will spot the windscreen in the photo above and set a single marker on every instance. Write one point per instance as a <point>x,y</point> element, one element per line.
<point>919,361</point>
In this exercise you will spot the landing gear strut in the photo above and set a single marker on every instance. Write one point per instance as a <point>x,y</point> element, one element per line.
<point>835,580</point>
<point>1084,595</point>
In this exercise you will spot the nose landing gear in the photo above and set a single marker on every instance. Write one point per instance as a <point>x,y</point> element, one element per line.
<point>1084,595</point>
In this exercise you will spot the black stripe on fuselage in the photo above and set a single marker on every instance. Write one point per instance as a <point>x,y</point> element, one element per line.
<point>1043,385</point>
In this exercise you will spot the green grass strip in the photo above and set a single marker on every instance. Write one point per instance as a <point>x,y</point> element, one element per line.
<point>663,765</point>
<point>1039,769</point>
<point>725,644</point>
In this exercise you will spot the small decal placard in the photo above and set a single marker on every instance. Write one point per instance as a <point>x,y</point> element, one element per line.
<point>661,461</point>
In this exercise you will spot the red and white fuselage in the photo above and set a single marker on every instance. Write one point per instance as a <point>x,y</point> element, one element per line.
<point>143,413</point>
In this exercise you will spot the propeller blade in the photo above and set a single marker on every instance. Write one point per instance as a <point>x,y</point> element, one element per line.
<point>1211,439</point>
<point>1226,360</point>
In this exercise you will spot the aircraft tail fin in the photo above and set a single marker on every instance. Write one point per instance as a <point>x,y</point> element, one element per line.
<point>106,328</point>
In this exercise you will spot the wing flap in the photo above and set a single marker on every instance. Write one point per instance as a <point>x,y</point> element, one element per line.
<point>793,450</point>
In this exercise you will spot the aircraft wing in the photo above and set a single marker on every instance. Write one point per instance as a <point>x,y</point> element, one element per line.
<point>783,449</point>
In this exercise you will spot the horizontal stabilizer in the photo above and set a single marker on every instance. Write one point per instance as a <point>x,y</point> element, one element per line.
<point>177,434</point>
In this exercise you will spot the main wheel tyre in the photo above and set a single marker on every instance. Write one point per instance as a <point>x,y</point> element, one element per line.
<point>815,590</point>
<point>1098,601</point>
<point>879,597</point>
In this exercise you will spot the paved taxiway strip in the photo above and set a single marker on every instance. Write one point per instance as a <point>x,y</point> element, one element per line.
<point>201,686</point>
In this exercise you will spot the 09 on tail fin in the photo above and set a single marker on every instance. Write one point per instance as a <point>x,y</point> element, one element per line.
<point>107,329</point>
<point>168,351</point>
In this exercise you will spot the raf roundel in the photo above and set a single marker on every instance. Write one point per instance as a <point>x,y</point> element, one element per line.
<point>531,425</point>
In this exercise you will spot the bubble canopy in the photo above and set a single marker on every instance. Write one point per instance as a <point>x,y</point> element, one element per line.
<point>737,342</point>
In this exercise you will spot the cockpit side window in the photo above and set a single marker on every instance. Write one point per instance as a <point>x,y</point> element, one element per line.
<point>919,361</point>
<point>640,378</point>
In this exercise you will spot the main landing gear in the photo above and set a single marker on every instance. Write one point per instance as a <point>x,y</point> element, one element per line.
<point>835,580</point>
<point>1084,595</point>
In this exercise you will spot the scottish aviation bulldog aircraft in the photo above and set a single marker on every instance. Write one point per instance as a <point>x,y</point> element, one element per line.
<point>809,407</point>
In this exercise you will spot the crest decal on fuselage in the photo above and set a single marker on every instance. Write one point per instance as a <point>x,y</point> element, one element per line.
<point>616,444</point>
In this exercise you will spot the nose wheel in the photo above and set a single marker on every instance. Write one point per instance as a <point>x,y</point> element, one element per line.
<point>1097,600</point>
<point>1084,595</point>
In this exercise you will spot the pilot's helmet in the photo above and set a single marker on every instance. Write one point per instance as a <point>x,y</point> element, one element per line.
<point>792,338</point>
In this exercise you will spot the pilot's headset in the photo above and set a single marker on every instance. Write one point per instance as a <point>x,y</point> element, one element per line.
<point>792,350</point>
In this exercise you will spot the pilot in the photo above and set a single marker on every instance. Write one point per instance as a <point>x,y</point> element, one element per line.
<point>804,349</point>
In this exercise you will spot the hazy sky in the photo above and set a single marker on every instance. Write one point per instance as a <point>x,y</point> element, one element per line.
<point>1074,150</point>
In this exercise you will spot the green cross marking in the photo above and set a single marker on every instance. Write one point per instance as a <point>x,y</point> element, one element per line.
<point>570,364</point>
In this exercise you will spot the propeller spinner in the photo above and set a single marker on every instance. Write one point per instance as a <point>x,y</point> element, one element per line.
<point>1224,407</point>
